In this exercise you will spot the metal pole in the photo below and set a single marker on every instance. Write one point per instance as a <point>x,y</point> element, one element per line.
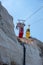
<point>24,51</point>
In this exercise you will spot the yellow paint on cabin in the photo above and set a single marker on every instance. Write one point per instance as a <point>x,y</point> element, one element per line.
<point>28,33</point>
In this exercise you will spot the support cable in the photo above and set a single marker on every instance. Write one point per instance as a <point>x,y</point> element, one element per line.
<point>34,13</point>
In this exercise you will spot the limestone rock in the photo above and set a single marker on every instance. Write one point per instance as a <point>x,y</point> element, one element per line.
<point>11,49</point>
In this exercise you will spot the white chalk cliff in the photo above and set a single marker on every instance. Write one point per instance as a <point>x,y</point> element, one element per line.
<point>11,49</point>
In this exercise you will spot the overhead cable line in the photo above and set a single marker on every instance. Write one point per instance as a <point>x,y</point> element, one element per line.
<point>34,13</point>
<point>36,21</point>
<point>31,15</point>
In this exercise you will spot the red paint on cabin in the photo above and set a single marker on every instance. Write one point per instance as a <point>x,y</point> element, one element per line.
<point>21,32</point>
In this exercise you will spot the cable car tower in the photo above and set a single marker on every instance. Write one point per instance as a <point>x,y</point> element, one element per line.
<point>20,25</point>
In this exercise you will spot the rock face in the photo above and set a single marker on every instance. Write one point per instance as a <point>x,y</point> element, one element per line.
<point>11,49</point>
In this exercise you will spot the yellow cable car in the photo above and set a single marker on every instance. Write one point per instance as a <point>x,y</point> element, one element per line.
<point>28,32</point>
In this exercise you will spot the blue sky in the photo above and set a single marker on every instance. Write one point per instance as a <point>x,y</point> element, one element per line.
<point>22,9</point>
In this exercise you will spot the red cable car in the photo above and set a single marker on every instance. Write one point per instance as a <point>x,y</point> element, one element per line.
<point>21,29</point>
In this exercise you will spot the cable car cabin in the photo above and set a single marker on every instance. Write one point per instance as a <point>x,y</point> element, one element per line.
<point>28,33</point>
<point>21,29</point>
